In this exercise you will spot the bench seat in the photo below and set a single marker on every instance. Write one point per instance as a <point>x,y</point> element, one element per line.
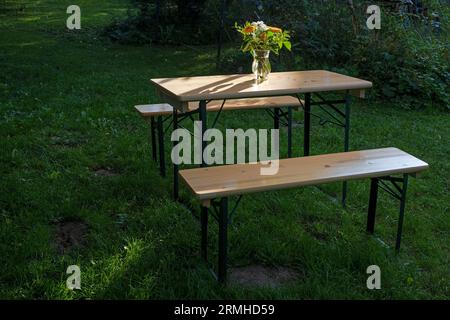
<point>237,179</point>
<point>165,109</point>
<point>379,165</point>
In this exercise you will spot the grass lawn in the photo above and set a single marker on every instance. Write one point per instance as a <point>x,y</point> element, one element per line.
<point>74,150</point>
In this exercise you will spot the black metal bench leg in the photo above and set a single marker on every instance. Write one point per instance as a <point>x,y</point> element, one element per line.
<point>289,132</point>
<point>204,231</point>
<point>175,166</point>
<point>223,240</point>
<point>346,143</point>
<point>372,205</point>
<point>153,137</point>
<point>402,212</point>
<point>307,128</point>
<point>162,161</point>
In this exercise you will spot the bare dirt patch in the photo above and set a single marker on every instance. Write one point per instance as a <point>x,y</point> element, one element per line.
<point>70,234</point>
<point>262,276</point>
<point>104,172</point>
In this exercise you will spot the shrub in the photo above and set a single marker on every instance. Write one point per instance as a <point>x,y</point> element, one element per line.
<point>406,61</point>
<point>404,65</point>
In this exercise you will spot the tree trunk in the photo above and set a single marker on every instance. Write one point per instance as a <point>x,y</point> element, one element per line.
<point>354,18</point>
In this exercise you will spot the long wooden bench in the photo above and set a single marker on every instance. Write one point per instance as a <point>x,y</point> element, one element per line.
<point>155,114</point>
<point>213,185</point>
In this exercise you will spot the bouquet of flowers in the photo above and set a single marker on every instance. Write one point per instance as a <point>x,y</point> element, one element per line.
<point>257,36</point>
<point>260,39</point>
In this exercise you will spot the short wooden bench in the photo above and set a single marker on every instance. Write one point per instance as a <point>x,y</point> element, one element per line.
<point>155,113</point>
<point>213,185</point>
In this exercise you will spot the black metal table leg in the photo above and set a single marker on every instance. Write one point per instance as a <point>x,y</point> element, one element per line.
<point>203,119</point>
<point>289,132</point>
<point>347,123</point>
<point>346,143</point>
<point>162,161</point>
<point>153,137</point>
<point>402,212</point>
<point>204,232</point>
<point>372,205</point>
<point>276,118</point>
<point>307,128</point>
<point>175,166</point>
<point>203,210</point>
<point>223,240</point>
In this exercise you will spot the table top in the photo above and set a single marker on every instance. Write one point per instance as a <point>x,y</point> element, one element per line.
<point>237,179</point>
<point>238,86</point>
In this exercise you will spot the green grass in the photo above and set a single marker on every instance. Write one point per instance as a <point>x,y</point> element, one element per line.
<point>66,101</point>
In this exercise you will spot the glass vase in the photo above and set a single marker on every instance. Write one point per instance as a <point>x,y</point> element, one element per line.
<point>261,65</point>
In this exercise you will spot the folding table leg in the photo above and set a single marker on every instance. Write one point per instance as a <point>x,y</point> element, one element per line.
<point>289,132</point>
<point>346,143</point>
<point>223,240</point>
<point>307,128</point>
<point>204,210</point>
<point>162,161</point>
<point>276,118</point>
<point>175,166</point>
<point>203,119</point>
<point>402,212</point>
<point>153,137</point>
<point>204,231</point>
<point>372,205</point>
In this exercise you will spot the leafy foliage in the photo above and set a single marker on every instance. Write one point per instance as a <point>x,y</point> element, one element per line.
<point>164,22</point>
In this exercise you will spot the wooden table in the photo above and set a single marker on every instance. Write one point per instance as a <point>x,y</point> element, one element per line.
<point>180,91</point>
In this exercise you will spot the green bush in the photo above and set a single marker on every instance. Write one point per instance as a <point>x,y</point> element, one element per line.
<point>404,65</point>
<point>407,62</point>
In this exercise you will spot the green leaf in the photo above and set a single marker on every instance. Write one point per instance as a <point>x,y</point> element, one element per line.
<point>288,45</point>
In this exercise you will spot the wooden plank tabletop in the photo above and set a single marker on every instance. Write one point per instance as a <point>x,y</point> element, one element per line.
<point>240,86</point>
<point>237,179</point>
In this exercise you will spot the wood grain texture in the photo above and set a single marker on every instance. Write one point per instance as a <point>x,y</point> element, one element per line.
<point>239,86</point>
<point>165,109</point>
<point>237,179</point>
